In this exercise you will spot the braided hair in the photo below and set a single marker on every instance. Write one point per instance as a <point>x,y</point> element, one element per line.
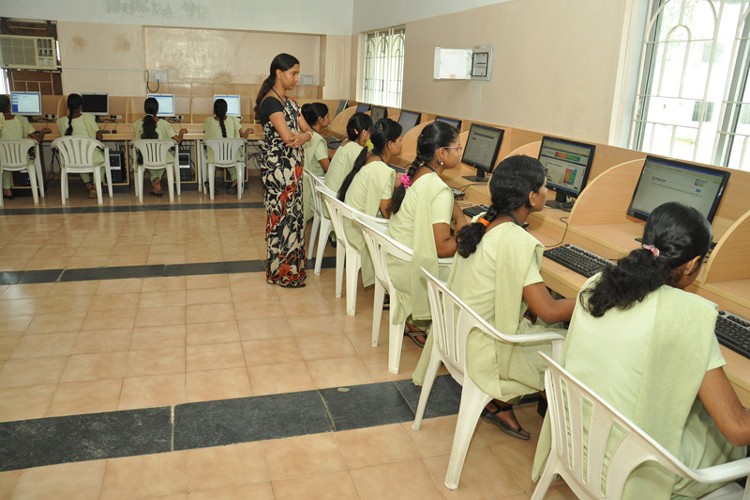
<point>151,108</point>
<point>220,110</point>
<point>512,181</point>
<point>434,136</point>
<point>75,102</point>
<point>674,235</point>
<point>383,132</point>
<point>281,62</point>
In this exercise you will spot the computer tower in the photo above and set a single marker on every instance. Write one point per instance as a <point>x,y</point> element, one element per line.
<point>186,167</point>
<point>117,165</point>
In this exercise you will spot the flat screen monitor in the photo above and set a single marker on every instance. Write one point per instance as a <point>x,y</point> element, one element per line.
<point>233,103</point>
<point>363,107</point>
<point>26,103</point>
<point>408,120</point>
<point>166,104</point>
<point>567,164</point>
<point>450,121</point>
<point>343,104</point>
<point>665,180</point>
<point>95,104</point>
<point>378,113</point>
<point>480,152</point>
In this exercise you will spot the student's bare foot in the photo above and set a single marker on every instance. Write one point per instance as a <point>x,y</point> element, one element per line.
<point>156,188</point>
<point>7,194</point>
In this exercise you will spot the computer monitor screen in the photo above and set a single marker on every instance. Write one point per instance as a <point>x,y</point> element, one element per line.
<point>26,103</point>
<point>95,104</point>
<point>363,107</point>
<point>665,180</point>
<point>343,104</point>
<point>233,103</point>
<point>378,113</point>
<point>450,121</point>
<point>481,150</point>
<point>408,120</point>
<point>166,104</point>
<point>567,164</point>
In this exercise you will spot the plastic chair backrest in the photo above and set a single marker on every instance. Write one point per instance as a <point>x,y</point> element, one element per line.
<point>381,246</point>
<point>77,151</point>
<point>579,443</point>
<point>154,151</point>
<point>15,153</point>
<point>338,211</point>
<point>225,150</point>
<point>316,183</point>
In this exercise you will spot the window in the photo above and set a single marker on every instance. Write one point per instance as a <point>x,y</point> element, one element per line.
<point>692,101</point>
<point>383,67</point>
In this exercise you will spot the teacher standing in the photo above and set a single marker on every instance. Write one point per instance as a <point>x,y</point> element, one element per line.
<point>284,132</point>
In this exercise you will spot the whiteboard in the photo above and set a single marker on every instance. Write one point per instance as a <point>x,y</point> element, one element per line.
<point>452,64</point>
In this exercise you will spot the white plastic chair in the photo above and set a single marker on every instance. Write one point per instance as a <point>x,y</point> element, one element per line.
<point>225,156</point>
<point>77,156</point>
<point>452,321</point>
<point>578,456</point>
<point>14,157</point>
<point>347,257</point>
<point>155,157</point>
<point>320,220</point>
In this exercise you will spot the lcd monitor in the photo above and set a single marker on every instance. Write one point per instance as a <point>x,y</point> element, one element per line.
<point>480,152</point>
<point>343,104</point>
<point>26,103</point>
<point>166,104</point>
<point>408,120</point>
<point>378,113</point>
<point>664,180</point>
<point>567,164</point>
<point>450,121</point>
<point>95,104</point>
<point>363,107</point>
<point>233,103</point>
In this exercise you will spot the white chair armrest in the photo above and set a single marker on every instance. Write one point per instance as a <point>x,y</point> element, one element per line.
<point>722,473</point>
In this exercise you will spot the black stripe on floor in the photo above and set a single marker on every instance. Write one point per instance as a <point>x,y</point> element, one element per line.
<point>47,441</point>
<point>149,271</point>
<point>130,208</point>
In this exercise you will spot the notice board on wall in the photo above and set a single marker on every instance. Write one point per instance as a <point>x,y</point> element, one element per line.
<point>452,64</point>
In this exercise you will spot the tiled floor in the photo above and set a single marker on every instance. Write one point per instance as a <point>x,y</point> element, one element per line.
<point>70,348</point>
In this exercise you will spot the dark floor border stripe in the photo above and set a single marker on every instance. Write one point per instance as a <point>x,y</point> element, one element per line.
<point>130,208</point>
<point>75,438</point>
<point>148,271</point>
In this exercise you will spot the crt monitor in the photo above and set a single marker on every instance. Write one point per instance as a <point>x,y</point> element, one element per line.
<point>408,120</point>
<point>450,121</point>
<point>665,180</point>
<point>166,104</point>
<point>480,152</point>
<point>378,113</point>
<point>95,104</point>
<point>26,103</point>
<point>363,107</point>
<point>233,103</point>
<point>567,164</point>
<point>343,104</point>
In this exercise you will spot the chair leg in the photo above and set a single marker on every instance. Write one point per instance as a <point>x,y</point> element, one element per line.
<point>177,184</point>
<point>325,230</point>
<point>353,263</point>
<point>211,180</point>
<point>39,175</point>
<point>313,236</point>
<point>340,263</point>
<point>34,185</point>
<point>395,337</point>
<point>545,481</point>
<point>108,176</point>
<point>64,186</point>
<point>429,379</point>
<point>240,180</point>
<point>98,185</point>
<point>139,182</point>
<point>377,312</point>
<point>170,184</point>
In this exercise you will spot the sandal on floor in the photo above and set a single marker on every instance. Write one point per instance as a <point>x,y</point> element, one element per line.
<point>416,334</point>
<point>158,194</point>
<point>491,417</point>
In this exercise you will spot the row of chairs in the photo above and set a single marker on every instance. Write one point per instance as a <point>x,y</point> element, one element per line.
<point>579,438</point>
<point>77,156</point>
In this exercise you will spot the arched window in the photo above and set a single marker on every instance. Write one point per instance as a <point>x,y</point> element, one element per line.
<point>383,67</point>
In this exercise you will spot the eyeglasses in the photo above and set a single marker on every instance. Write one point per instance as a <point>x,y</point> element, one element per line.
<point>459,147</point>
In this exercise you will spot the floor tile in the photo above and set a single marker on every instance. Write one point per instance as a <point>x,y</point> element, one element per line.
<point>146,476</point>
<point>325,346</point>
<point>38,346</point>
<point>154,337</point>
<point>257,491</point>
<point>366,405</point>
<point>156,361</point>
<point>95,366</point>
<point>338,372</point>
<point>74,398</point>
<point>209,313</point>
<point>375,446</point>
<point>303,456</point>
<point>218,384</point>
<point>19,403</point>
<point>212,333</point>
<point>271,352</point>
<point>261,329</point>
<point>226,466</point>
<point>408,479</point>
<point>276,379</point>
<point>32,371</point>
<point>74,480</point>
<point>338,485</point>
<point>103,341</point>
<point>152,391</point>
<point>161,316</point>
<point>101,320</point>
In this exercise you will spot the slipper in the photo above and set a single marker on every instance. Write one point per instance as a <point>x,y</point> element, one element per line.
<point>417,335</point>
<point>158,194</point>
<point>492,418</point>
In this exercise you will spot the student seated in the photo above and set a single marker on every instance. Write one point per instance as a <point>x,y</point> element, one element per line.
<point>358,133</point>
<point>497,272</point>
<point>317,155</point>
<point>369,186</point>
<point>81,125</point>
<point>422,211</point>
<point>152,127</point>
<point>647,347</point>
<point>14,127</point>
<point>221,126</point>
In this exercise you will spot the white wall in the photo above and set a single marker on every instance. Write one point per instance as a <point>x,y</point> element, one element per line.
<point>292,16</point>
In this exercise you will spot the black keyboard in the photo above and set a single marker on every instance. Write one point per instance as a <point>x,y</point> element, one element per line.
<point>733,332</point>
<point>577,259</point>
<point>475,210</point>
<point>332,142</point>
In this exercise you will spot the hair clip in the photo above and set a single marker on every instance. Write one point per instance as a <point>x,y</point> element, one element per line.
<point>484,221</point>
<point>405,180</point>
<point>651,248</point>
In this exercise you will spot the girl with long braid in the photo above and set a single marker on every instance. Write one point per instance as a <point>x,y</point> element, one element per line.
<point>317,154</point>
<point>221,126</point>
<point>369,186</point>
<point>358,133</point>
<point>498,274</point>
<point>82,125</point>
<point>422,211</point>
<point>285,131</point>
<point>648,347</point>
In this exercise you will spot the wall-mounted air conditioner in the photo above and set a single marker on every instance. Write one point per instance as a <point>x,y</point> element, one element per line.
<point>27,52</point>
